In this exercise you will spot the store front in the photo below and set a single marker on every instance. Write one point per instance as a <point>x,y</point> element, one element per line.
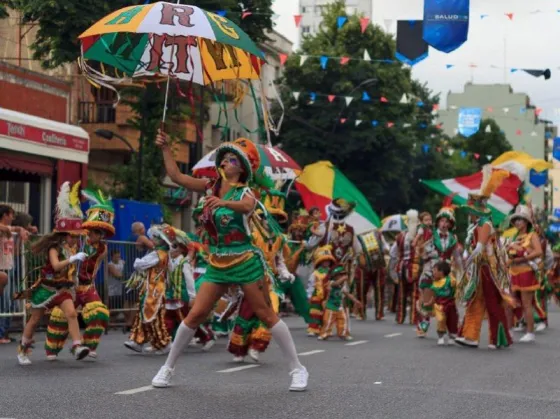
<point>37,155</point>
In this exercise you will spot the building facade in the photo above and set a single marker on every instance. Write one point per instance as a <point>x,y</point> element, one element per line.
<point>311,12</point>
<point>514,114</point>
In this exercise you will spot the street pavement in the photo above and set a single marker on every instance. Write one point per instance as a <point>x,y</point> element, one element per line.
<point>385,373</point>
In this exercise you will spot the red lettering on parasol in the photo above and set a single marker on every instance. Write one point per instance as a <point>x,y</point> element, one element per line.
<point>170,11</point>
<point>181,52</point>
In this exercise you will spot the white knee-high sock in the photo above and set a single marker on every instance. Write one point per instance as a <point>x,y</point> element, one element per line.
<point>182,338</point>
<point>283,337</point>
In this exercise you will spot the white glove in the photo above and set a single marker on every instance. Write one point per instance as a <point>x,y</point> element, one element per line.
<point>78,257</point>
<point>477,250</point>
<point>287,277</point>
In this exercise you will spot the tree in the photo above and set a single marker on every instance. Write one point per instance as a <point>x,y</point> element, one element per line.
<point>381,160</point>
<point>60,22</point>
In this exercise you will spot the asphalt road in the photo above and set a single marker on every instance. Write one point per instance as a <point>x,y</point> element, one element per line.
<point>386,372</point>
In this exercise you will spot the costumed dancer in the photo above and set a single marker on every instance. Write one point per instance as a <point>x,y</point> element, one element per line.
<point>151,275</point>
<point>323,261</point>
<point>405,267</point>
<point>233,258</point>
<point>335,312</point>
<point>525,265</point>
<point>485,285</point>
<point>99,225</point>
<point>58,276</point>
<point>442,246</point>
<point>443,287</point>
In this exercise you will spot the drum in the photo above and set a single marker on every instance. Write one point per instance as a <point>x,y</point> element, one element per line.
<point>373,249</point>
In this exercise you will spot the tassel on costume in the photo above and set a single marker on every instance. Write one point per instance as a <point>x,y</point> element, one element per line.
<point>96,318</point>
<point>57,332</point>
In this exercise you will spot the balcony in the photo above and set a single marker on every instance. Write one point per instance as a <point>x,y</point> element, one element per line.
<point>96,113</point>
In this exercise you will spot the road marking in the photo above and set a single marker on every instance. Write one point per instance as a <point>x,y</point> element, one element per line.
<point>244,367</point>
<point>392,335</point>
<point>316,351</point>
<point>358,342</point>
<point>136,390</point>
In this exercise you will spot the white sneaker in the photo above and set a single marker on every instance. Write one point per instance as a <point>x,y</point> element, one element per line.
<point>519,329</point>
<point>299,379</point>
<point>92,354</point>
<point>466,342</point>
<point>193,343</point>
<point>163,377</point>
<point>254,355</point>
<point>441,341</point>
<point>238,359</point>
<point>311,334</point>
<point>133,346</point>
<point>208,345</point>
<point>23,359</point>
<point>492,347</point>
<point>80,352</point>
<point>527,338</point>
<point>52,357</point>
<point>163,351</point>
<point>541,327</point>
<point>148,349</point>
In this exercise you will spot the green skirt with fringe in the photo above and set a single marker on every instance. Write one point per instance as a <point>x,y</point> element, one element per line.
<point>247,272</point>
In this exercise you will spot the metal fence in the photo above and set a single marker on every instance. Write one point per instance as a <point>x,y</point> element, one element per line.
<point>26,268</point>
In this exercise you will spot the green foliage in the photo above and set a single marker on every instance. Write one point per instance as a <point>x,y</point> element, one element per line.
<point>60,22</point>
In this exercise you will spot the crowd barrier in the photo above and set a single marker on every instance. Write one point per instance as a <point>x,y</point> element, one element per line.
<point>120,301</point>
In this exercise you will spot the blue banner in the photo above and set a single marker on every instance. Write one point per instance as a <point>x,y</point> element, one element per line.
<point>538,179</point>
<point>556,212</point>
<point>556,148</point>
<point>446,23</point>
<point>469,121</point>
<point>554,228</point>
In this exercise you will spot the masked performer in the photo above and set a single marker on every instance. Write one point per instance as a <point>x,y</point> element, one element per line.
<point>233,258</point>
<point>485,286</point>
<point>57,281</point>
<point>99,224</point>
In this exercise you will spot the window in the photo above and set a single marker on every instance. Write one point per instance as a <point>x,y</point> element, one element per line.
<point>15,194</point>
<point>303,9</point>
<point>319,10</point>
<point>305,29</point>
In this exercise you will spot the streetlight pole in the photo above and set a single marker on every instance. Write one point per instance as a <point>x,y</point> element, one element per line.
<point>362,84</point>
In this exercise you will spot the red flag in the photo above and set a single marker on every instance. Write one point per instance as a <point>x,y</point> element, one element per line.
<point>435,107</point>
<point>518,132</point>
<point>344,60</point>
<point>476,156</point>
<point>383,99</point>
<point>342,120</point>
<point>364,22</point>
<point>297,19</point>
<point>390,124</point>
<point>245,14</point>
<point>438,126</point>
<point>438,149</point>
<point>510,16</point>
<point>538,111</point>
<point>283,58</point>
<point>331,97</point>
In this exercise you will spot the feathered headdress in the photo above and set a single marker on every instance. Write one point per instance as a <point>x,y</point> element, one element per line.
<point>68,214</point>
<point>101,214</point>
<point>491,180</point>
<point>412,222</point>
<point>447,209</point>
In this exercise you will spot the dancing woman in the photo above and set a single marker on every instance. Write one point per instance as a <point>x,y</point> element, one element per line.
<point>233,259</point>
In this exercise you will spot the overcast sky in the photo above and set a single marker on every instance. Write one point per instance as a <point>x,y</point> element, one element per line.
<point>531,39</point>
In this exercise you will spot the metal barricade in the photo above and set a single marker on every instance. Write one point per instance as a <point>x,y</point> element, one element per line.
<point>122,303</point>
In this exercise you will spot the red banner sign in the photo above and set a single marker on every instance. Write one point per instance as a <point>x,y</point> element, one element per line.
<point>43,136</point>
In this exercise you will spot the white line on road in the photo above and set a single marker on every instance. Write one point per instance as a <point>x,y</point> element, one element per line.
<point>377,382</point>
<point>316,351</point>
<point>244,367</point>
<point>392,335</point>
<point>136,390</point>
<point>358,342</point>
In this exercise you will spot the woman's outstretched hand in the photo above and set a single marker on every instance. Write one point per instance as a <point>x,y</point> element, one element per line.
<point>161,139</point>
<point>213,202</point>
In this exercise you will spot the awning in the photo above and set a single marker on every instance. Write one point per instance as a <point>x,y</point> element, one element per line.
<point>43,137</point>
<point>26,163</point>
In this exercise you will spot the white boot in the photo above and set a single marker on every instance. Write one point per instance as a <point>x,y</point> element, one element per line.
<point>238,359</point>
<point>133,346</point>
<point>541,327</point>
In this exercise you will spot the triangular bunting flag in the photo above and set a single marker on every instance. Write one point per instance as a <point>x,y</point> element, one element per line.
<point>384,99</point>
<point>483,16</point>
<point>344,60</point>
<point>343,120</point>
<point>324,59</point>
<point>518,132</point>
<point>438,149</point>
<point>509,16</point>
<point>453,107</point>
<point>534,134</point>
<point>340,21</point>
<point>331,98</point>
<point>506,110</point>
<point>538,111</point>
<point>476,156</point>
<point>365,97</point>
<point>283,58</point>
<point>303,59</point>
<point>404,99</point>
<point>358,122</point>
<point>488,129</point>
<point>348,100</point>
<point>221,13</point>
<point>296,95</point>
<point>364,22</point>
<point>390,124</point>
<point>246,14</point>
<point>435,107</point>
<point>407,125</point>
<point>375,123</point>
<point>490,109</point>
<point>489,157</point>
<point>366,55</point>
<point>313,96</point>
<point>450,151</point>
<point>448,66</point>
<point>297,19</point>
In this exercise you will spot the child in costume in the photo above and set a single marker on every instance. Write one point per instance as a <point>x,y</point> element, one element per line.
<point>444,287</point>
<point>57,281</point>
<point>151,276</point>
<point>323,261</point>
<point>335,311</point>
<point>99,224</point>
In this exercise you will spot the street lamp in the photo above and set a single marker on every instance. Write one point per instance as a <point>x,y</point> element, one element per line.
<point>109,135</point>
<point>362,84</point>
